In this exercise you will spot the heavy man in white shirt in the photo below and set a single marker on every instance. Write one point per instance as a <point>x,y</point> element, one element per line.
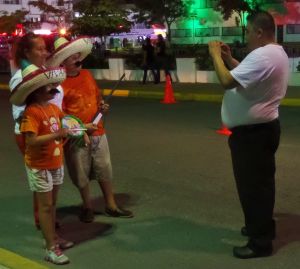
<point>254,89</point>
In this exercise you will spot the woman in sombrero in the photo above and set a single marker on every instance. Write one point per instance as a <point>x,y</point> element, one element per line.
<point>40,126</point>
<point>82,98</point>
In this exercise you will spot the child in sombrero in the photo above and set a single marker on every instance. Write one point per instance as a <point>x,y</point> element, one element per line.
<point>83,99</point>
<point>43,145</point>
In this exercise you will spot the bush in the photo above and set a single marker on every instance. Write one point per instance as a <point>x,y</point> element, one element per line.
<point>96,60</point>
<point>133,61</point>
<point>171,61</point>
<point>4,64</point>
<point>203,59</point>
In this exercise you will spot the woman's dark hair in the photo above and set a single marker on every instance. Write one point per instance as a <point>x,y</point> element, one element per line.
<point>264,20</point>
<point>23,44</point>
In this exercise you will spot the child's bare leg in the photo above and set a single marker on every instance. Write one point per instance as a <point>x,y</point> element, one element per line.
<point>45,205</point>
<point>36,211</point>
<point>54,200</point>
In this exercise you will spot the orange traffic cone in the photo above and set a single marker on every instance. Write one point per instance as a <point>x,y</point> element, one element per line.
<point>169,95</point>
<point>224,131</point>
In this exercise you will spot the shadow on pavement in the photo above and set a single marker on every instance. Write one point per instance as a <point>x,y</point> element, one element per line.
<point>123,200</point>
<point>288,229</point>
<point>170,233</point>
<point>78,232</point>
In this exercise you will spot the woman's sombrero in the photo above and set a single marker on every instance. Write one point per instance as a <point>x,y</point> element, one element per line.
<point>33,79</point>
<point>64,49</point>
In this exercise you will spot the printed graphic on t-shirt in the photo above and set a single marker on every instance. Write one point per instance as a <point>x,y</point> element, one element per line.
<point>54,127</point>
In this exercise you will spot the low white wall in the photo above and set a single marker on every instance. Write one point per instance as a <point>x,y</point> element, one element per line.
<point>186,72</point>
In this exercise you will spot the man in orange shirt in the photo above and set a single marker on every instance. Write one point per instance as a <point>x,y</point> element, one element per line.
<point>83,100</point>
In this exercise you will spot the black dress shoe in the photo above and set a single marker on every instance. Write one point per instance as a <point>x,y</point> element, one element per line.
<point>248,251</point>
<point>244,231</point>
<point>118,213</point>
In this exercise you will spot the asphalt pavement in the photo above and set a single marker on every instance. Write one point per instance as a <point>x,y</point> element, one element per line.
<point>174,172</point>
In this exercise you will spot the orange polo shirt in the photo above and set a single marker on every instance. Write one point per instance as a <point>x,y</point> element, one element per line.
<point>42,120</point>
<point>82,98</point>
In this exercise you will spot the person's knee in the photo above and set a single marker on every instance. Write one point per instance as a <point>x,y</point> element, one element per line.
<point>80,184</point>
<point>46,207</point>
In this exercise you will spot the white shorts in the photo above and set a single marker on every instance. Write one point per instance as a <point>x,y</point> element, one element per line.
<point>42,180</point>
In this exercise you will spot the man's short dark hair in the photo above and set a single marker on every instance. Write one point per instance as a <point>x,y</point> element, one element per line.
<point>263,20</point>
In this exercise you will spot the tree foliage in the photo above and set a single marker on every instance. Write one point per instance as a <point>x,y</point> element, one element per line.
<point>8,22</point>
<point>100,18</point>
<point>241,7</point>
<point>227,8</point>
<point>160,11</point>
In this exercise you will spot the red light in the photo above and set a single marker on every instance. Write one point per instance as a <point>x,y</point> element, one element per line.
<point>62,31</point>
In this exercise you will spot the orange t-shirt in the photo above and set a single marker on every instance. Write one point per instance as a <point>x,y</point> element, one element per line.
<point>42,120</point>
<point>82,98</point>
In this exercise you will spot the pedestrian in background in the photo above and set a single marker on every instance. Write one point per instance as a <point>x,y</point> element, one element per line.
<point>149,60</point>
<point>254,89</point>
<point>161,57</point>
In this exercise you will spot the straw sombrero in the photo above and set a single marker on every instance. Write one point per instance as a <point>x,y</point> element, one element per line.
<point>64,49</point>
<point>33,79</point>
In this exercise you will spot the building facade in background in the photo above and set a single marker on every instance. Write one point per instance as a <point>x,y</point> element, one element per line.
<point>205,24</point>
<point>36,18</point>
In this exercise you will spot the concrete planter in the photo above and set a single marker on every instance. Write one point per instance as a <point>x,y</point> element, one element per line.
<point>116,67</point>
<point>135,75</point>
<point>206,77</point>
<point>294,79</point>
<point>186,69</point>
<point>186,72</point>
<point>294,63</point>
<point>101,74</point>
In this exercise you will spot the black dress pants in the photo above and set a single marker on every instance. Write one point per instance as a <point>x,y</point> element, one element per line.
<point>253,149</point>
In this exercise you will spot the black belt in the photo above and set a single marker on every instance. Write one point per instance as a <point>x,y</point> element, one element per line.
<point>254,126</point>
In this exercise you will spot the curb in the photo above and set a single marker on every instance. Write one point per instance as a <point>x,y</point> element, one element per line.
<point>290,102</point>
<point>14,261</point>
<point>179,96</point>
<point>187,96</point>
